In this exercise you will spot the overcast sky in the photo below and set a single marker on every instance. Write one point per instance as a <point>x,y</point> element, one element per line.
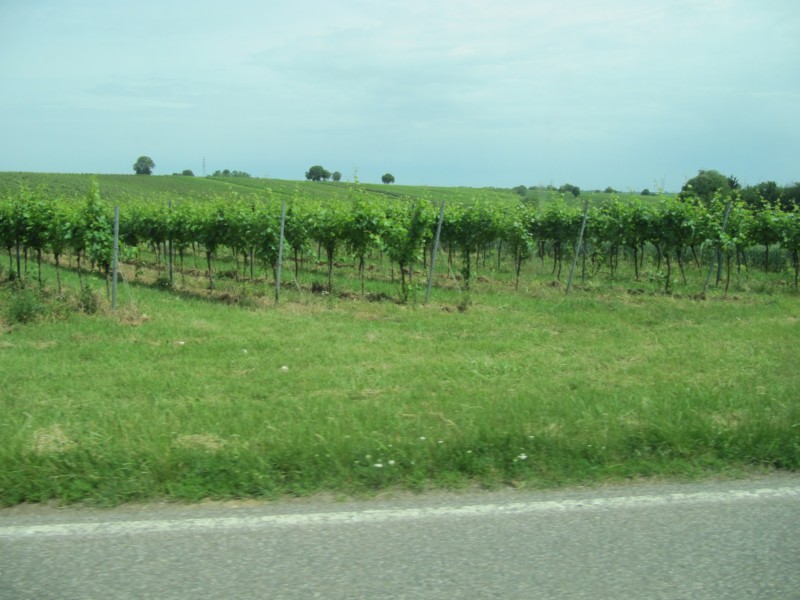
<point>621,93</point>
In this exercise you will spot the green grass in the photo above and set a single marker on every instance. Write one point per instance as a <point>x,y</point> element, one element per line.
<point>112,187</point>
<point>180,395</point>
<point>122,188</point>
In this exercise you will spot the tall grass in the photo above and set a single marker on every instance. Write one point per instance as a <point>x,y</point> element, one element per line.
<point>186,397</point>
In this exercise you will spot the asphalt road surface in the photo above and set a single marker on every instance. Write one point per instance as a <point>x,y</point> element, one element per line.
<point>720,540</point>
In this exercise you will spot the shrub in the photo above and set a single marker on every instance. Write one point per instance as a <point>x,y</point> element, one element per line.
<point>24,305</point>
<point>88,301</point>
<point>162,282</point>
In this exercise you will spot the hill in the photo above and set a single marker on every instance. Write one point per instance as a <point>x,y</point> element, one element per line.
<point>128,187</point>
<point>122,188</point>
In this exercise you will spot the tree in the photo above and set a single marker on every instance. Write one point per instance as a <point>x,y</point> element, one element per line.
<point>336,176</point>
<point>387,178</point>
<point>766,193</point>
<point>646,192</point>
<point>705,185</point>
<point>318,173</point>
<point>571,189</point>
<point>229,173</point>
<point>790,196</point>
<point>521,190</point>
<point>188,173</point>
<point>144,165</point>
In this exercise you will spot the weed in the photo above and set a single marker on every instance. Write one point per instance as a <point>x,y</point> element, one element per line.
<point>464,303</point>
<point>319,288</point>
<point>162,282</point>
<point>24,305</point>
<point>88,301</point>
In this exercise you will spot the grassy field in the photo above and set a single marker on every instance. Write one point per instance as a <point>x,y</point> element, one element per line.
<point>122,188</point>
<point>182,395</point>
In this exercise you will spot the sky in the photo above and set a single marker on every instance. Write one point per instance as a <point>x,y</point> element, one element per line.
<point>630,94</point>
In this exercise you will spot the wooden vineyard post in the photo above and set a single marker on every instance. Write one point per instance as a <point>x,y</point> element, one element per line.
<point>433,252</point>
<point>578,246</point>
<point>115,260</point>
<point>280,255</point>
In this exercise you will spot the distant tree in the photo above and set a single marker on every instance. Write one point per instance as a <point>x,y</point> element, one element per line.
<point>521,190</point>
<point>646,192</point>
<point>336,176</point>
<point>144,165</point>
<point>704,185</point>
<point>188,173</point>
<point>733,183</point>
<point>790,196</point>
<point>609,190</point>
<point>769,193</point>
<point>229,173</point>
<point>568,188</point>
<point>318,173</point>
<point>762,194</point>
<point>387,178</point>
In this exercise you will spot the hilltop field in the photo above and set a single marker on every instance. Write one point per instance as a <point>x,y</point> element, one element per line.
<point>116,188</point>
<point>672,355</point>
<point>132,187</point>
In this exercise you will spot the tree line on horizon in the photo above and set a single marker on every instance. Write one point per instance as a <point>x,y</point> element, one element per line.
<point>704,186</point>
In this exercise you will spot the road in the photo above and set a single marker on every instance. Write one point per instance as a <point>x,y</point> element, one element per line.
<point>733,539</point>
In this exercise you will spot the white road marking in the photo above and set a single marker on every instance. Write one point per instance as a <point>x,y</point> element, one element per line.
<point>195,525</point>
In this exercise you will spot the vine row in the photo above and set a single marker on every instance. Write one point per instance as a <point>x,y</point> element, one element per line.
<point>677,231</point>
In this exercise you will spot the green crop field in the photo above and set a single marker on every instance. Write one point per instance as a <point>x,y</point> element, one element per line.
<point>124,188</point>
<point>132,187</point>
<point>673,354</point>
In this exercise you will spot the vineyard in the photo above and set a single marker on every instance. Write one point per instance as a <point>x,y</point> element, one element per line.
<point>238,234</point>
<point>355,383</point>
